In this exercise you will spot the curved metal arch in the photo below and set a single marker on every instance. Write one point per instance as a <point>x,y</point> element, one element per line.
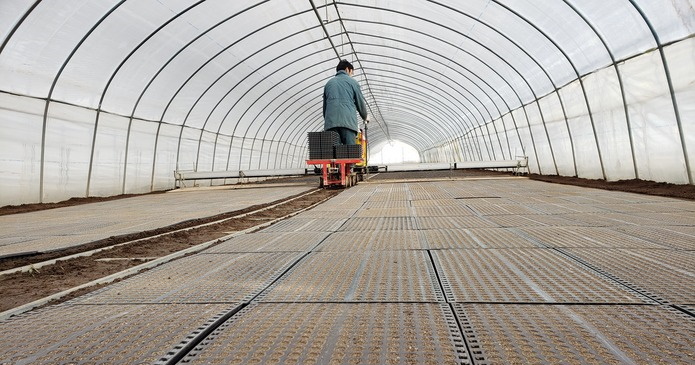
<point>448,43</point>
<point>620,83</point>
<point>315,115</point>
<point>671,89</point>
<point>488,149</point>
<point>281,127</point>
<point>560,99</point>
<point>451,96</point>
<point>424,85</point>
<point>53,85</point>
<point>113,75</point>
<point>273,112</point>
<point>233,133</point>
<point>229,91</point>
<point>176,54</point>
<point>239,82</point>
<point>441,115</point>
<point>442,90</point>
<point>525,52</point>
<point>258,83</point>
<point>408,133</point>
<point>406,114</point>
<point>155,143</point>
<point>222,122</point>
<point>298,129</point>
<point>462,108</point>
<point>399,88</point>
<point>404,133</point>
<point>18,25</point>
<point>274,138</point>
<point>574,68</point>
<point>446,65</point>
<point>211,85</point>
<point>507,82</point>
<point>405,95</point>
<point>296,151</point>
<point>283,80</point>
<point>381,121</point>
<point>312,76</point>
<point>259,128</point>
<point>291,122</point>
<point>301,128</point>
<point>508,108</point>
<point>424,55</point>
<point>304,124</point>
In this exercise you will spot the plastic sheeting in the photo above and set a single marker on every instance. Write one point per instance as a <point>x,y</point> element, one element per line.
<point>110,97</point>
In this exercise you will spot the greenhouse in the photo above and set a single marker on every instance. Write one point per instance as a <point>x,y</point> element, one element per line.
<point>111,97</point>
<point>448,250</point>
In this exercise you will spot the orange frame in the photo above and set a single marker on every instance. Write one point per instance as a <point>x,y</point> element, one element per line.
<point>343,165</point>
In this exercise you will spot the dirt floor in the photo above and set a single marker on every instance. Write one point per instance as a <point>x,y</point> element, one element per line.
<point>22,288</point>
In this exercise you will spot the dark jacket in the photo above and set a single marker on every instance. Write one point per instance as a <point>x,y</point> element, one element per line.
<point>342,99</point>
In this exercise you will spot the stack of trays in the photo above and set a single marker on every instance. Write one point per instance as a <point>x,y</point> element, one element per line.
<point>321,145</point>
<point>348,151</point>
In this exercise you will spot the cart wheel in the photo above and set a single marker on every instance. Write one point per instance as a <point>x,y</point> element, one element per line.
<point>321,182</point>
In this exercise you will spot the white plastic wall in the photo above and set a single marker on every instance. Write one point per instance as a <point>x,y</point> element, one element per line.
<point>659,154</point>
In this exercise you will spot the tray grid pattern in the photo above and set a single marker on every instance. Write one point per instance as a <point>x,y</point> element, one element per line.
<point>203,278</point>
<point>559,334</point>
<point>668,274</point>
<point>598,237</point>
<point>682,238</point>
<point>376,276</point>
<point>125,334</point>
<point>359,241</point>
<point>523,276</point>
<point>514,271</point>
<point>336,333</point>
<point>270,242</point>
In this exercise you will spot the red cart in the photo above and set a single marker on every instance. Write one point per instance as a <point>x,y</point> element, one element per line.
<point>337,172</point>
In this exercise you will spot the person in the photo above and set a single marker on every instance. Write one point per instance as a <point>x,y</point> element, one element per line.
<point>342,100</point>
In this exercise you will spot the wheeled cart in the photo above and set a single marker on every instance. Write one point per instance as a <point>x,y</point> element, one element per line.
<point>337,172</point>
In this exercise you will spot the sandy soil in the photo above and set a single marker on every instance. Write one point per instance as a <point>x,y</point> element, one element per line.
<point>23,288</point>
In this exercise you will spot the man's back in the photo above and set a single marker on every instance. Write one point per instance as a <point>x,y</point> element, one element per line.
<point>342,99</point>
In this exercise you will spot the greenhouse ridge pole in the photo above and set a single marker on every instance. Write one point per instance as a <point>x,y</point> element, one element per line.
<point>382,122</point>
<point>325,31</point>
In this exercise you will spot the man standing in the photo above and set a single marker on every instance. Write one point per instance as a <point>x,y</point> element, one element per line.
<point>342,100</point>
